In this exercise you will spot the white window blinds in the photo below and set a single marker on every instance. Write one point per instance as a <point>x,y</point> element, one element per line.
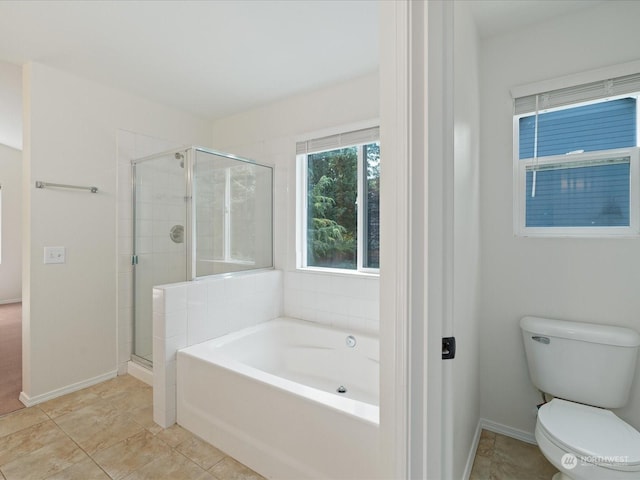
<point>577,94</point>
<point>332,142</point>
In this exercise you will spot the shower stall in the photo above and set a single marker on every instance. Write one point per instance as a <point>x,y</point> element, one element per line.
<point>196,212</point>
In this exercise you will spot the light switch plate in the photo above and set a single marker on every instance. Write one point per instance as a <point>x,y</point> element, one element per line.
<point>54,255</point>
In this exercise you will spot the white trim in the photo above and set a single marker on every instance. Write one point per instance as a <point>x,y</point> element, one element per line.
<point>43,397</point>
<point>138,371</point>
<point>516,433</point>
<point>360,203</point>
<point>11,300</point>
<point>394,207</point>
<point>605,73</point>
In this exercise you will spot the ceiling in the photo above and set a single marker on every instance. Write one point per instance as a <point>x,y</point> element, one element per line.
<point>496,17</point>
<point>212,58</point>
<point>218,57</point>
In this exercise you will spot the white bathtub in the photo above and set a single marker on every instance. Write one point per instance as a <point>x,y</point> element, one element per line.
<point>267,396</point>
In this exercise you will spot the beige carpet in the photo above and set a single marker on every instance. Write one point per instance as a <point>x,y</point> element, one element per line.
<point>10,357</point>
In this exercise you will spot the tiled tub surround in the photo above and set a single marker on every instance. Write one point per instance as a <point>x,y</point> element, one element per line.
<point>192,312</point>
<point>349,301</point>
<point>270,399</point>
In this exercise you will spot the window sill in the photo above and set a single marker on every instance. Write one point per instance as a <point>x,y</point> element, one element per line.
<point>338,271</point>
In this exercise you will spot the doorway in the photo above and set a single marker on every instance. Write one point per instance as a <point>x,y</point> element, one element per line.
<point>10,357</point>
<point>10,279</point>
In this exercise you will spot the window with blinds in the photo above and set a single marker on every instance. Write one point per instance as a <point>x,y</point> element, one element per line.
<point>339,200</point>
<point>576,160</point>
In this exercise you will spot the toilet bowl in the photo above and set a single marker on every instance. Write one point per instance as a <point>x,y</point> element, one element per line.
<point>587,443</point>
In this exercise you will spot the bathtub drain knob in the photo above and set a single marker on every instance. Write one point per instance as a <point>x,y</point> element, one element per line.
<point>351,341</point>
<point>341,389</point>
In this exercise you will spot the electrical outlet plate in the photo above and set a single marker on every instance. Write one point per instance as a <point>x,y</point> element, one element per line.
<point>54,255</point>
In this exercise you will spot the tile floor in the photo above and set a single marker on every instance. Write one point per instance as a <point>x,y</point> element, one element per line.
<point>107,432</point>
<point>504,458</point>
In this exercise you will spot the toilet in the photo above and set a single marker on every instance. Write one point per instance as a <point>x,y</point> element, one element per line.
<point>587,369</point>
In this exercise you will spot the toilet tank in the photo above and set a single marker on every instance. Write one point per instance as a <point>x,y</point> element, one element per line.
<point>581,362</point>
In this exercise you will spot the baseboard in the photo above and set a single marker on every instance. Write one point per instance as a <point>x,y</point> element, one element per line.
<point>472,451</point>
<point>508,431</point>
<point>138,371</point>
<point>43,397</point>
<point>11,300</point>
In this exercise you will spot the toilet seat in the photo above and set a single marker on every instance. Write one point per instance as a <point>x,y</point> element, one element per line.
<point>595,434</point>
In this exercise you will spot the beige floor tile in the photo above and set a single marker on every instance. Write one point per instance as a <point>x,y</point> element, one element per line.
<point>486,446</point>
<point>131,454</point>
<point>84,470</point>
<point>525,456</point>
<point>28,440</point>
<point>133,399</point>
<point>173,466</point>
<point>68,403</point>
<point>230,469</point>
<point>507,471</point>
<point>105,432</point>
<point>24,418</point>
<point>144,417</point>
<point>174,435</point>
<point>481,468</point>
<point>45,461</point>
<point>87,415</point>
<point>200,452</point>
<point>115,386</point>
<point>98,426</point>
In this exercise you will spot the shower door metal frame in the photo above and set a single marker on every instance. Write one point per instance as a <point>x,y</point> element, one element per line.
<point>188,223</point>
<point>191,257</point>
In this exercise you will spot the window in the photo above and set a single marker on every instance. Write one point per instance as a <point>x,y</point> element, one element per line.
<point>339,202</point>
<point>576,160</point>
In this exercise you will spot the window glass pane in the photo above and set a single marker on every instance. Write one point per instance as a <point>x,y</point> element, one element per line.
<point>332,186</point>
<point>371,258</point>
<point>600,126</point>
<point>570,195</point>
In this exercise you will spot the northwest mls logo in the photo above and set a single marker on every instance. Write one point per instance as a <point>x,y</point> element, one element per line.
<point>569,461</point>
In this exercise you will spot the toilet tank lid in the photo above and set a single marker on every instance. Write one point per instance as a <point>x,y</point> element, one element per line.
<point>586,332</point>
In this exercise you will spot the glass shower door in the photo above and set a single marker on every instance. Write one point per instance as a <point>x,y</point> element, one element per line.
<point>160,238</point>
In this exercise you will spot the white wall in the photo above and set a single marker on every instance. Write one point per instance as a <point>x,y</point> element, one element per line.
<point>466,241</point>
<point>593,280</point>
<point>11,105</point>
<point>70,310</point>
<point>268,135</point>
<point>11,218</point>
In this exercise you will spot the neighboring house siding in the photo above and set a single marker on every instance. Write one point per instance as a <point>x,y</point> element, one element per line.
<point>586,196</point>
<point>601,126</point>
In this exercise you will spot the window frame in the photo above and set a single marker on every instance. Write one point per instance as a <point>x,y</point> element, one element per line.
<point>520,192</point>
<point>302,211</point>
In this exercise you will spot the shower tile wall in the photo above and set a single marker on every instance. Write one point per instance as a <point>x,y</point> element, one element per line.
<point>130,146</point>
